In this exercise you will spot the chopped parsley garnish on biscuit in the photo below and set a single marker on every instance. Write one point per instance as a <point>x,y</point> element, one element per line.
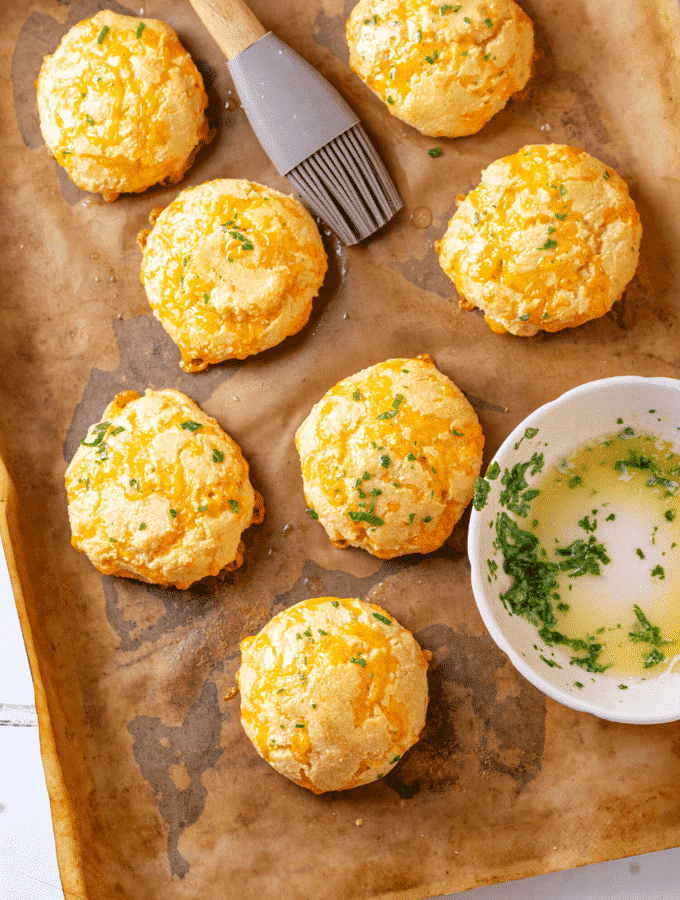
<point>396,403</point>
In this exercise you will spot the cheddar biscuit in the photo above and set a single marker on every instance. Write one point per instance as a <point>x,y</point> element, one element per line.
<point>231,268</point>
<point>389,458</point>
<point>121,105</point>
<point>157,491</point>
<point>333,692</point>
<point>444,68</point>
<point>548,240</point>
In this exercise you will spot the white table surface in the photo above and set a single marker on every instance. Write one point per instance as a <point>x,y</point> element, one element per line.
<point>28,864</point>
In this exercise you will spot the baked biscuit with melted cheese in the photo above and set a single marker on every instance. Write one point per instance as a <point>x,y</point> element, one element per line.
<point>159,492</point>
<point>548,240</point>
<point>122,105</point>
<point>231,268</point>
<point>444,68</point>
<point>390,457</point>
<point>333,692</point>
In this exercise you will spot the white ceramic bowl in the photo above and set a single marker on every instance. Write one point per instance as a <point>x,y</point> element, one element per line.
<point>564,425</point>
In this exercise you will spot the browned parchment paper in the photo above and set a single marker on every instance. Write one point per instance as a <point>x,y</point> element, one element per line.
<point>157,794</point>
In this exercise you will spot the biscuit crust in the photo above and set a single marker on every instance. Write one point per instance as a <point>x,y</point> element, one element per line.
<point>121,105</point>
<point>548,240</point>
<point>230,269</point>
<point>389,458</point>
<point>445,69</point>
<point>158,491</point>
<point>333,692</point>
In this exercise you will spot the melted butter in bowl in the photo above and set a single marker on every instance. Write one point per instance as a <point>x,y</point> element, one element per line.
<point>575,548</point>
<point>606,516</point>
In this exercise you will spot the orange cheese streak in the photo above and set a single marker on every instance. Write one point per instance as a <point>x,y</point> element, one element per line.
<point>504,224</point>
<point>227,226</point>
<point>424,48</point>
<point>392,437</point>
<point>324,653</point>
<point>111,75</point>
<point>129,463</point>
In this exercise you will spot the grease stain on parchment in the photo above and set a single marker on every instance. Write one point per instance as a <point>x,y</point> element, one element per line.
<point>472,729</point>
<point>148,359</point>
<point>329,30</point>
<point>315,581</point>
<point>127,610</point>
<point>163,751</point>
<point>142,613</point>
<point>564,99</point>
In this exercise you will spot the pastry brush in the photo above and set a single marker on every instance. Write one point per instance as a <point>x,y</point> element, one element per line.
<point>306,128</point>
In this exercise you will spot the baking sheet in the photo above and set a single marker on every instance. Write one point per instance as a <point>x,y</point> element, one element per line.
<point>156,791</point>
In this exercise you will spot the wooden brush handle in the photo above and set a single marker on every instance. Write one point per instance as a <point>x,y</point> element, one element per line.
<point>231,23</point>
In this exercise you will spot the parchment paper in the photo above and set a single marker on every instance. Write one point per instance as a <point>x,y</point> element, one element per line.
<point>156,791</point>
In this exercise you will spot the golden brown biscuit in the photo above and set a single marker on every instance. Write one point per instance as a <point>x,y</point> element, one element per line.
<point>333,692</point>
<point>445,68</point>
<point>121,105</point>
<point>231,268</point>
<point>390,457</point>
<point>159,492</point>
<point>548,240</point>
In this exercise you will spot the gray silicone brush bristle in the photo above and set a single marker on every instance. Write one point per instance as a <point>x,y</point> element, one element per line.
<point>347,184</point>
<point>315,139</point>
